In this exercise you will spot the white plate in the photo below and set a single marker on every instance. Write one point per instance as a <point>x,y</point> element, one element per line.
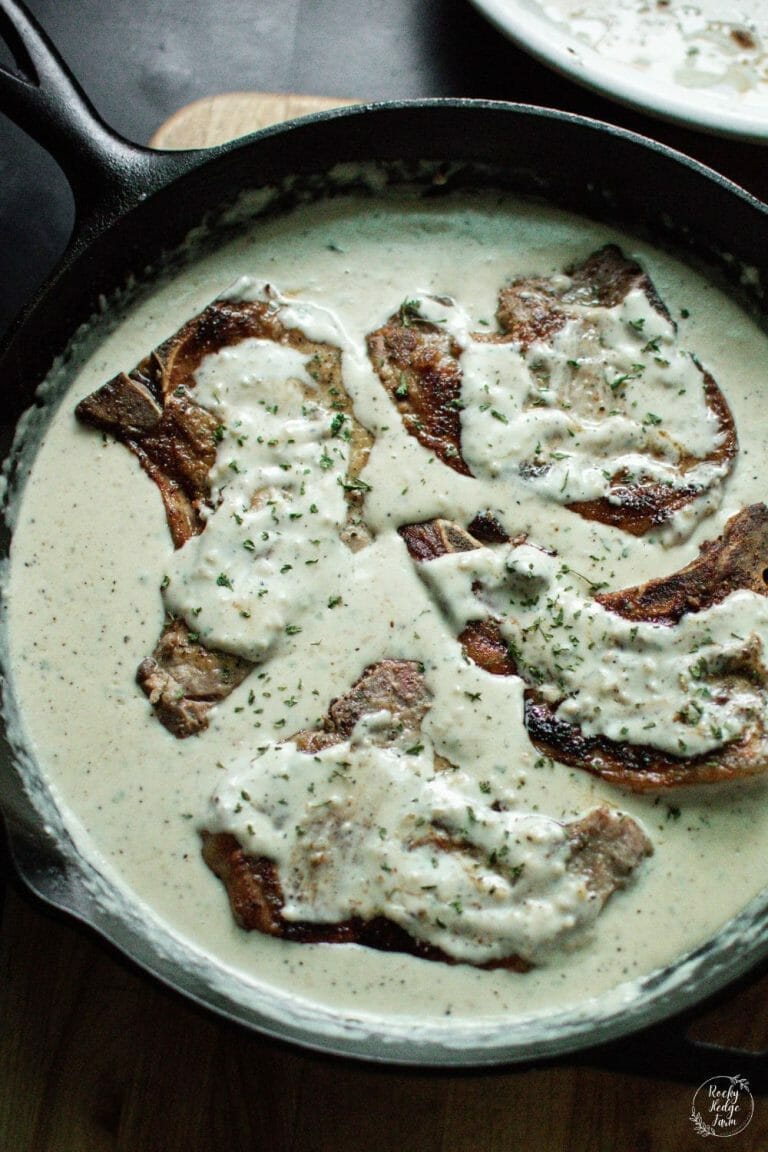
<point>735,106</point>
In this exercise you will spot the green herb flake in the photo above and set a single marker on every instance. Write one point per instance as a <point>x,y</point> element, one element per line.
<point>402,389</point>
<point>354,484</point>
<point>408,312</point>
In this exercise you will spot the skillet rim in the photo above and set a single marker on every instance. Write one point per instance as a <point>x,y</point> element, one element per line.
<point>192,165</point>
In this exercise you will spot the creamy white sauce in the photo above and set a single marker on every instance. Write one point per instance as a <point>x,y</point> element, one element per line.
<point>270,549</point>
<point>586,406</point>
<point>670,687</point>
<point>720,48</point>
<point>352,830</point>
<point>84,607</point>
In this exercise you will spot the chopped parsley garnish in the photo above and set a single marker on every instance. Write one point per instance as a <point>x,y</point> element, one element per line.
<point>354,484</point>
<point>337,424</point>
<point>408,312</point>
<point>402,389</point>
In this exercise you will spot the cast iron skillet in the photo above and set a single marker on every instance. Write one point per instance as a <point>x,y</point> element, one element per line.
<point>132,204</point>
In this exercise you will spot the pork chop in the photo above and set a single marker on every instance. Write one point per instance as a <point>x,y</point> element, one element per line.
<point>738,559</point>
<point>604,848</point>
<point>419,363</point>
<point>152,410</point>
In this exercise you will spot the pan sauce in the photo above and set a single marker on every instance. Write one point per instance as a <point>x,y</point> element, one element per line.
<point>91,546</point>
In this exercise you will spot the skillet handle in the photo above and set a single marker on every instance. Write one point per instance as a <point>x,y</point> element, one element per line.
<point>666,1051</point>
<point>107,173</point>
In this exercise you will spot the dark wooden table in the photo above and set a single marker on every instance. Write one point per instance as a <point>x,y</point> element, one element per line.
<point>93,1055</point>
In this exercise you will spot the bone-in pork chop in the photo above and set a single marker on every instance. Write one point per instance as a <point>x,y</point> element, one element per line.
<point>602,849</point>
<point>153,411</point>
<point>586,368</point>
<point>736,560</point>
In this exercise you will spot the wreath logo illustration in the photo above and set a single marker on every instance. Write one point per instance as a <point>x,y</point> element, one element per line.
<point>722,1106</point>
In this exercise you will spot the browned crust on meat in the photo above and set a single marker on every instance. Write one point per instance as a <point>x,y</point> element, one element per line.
<point>605,846</point>
<point>418,365</point>
<point>638,767</point>
<point>485,528</point>
<point>253,884</point>
<point>481,640</point>
<point>417,362</point>
<point>638,508</point>
<point>256,900</point>
<point>153,412</point>
<point>184,680</point>
<point>532,309</point>
<point>432,538</point>
<point>736,559</point>
<point>483,644</point>
<point>151,409</point>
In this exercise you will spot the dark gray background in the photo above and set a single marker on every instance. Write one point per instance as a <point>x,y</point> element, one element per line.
<point>140,60</point>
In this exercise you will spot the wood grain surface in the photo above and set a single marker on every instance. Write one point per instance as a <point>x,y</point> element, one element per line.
<point>217,119</point>
<point>94,1056</point>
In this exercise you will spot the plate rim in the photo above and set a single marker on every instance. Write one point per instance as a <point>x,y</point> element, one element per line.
<point>542,39</point>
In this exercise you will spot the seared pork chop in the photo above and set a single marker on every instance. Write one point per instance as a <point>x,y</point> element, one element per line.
<point>738,559</point>
<point>152,410</point>
<point>603,848</point>
<point>419,362</point>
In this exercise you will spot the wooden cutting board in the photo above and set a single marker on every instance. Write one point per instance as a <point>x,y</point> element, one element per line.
<point>94,1056</point>
<point>216,119</point>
